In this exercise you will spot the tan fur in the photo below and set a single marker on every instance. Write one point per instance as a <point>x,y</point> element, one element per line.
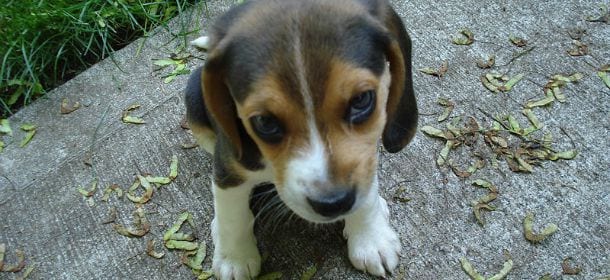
<point>206,137</point>
<point>352,148</point>
<point>270,97</point>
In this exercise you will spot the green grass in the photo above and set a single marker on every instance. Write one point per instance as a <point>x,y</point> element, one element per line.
<point>46,42</point>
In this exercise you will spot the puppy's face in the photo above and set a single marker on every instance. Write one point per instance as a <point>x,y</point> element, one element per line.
<point>311,86</point>
<point>323,145</point>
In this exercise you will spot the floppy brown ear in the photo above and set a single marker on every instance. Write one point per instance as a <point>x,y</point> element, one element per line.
<point>219,102</point>
<point>401,107</point>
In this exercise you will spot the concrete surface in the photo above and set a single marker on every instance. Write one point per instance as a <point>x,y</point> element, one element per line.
<point>42,213</point>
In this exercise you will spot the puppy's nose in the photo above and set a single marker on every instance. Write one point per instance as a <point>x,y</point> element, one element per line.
<point>333,204</point>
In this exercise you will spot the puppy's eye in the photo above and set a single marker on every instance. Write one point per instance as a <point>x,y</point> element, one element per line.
<point>268,128</point>
<point>361,107</point>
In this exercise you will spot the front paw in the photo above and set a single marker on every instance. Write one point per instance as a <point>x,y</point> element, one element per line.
<point>374,249</point>
<point>236,256</point>
<point>237,264</point>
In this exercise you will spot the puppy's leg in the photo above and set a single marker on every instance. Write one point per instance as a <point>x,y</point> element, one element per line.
<point>235,253</point>
<point>373,245</point>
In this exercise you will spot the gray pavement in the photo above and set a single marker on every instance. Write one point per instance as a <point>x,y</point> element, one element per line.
<point>63,237</point>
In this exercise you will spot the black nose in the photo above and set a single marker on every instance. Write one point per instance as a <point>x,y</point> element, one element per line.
<point>334,204</point>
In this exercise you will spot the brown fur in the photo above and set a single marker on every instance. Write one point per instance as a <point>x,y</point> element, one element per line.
<point>272,56</point>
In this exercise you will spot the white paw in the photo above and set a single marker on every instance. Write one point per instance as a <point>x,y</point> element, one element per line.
<point>373,245</point>
<point>244,263</point>
<point>201,42</point>
<point>235,260</point>
<point>375,250</point>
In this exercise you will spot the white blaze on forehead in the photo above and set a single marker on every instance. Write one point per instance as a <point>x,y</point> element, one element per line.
<point>309,164</point>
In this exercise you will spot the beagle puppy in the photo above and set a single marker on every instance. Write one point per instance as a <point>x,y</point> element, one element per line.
<point>298,93</point>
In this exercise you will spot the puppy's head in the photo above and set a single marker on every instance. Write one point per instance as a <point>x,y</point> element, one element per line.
<point>315,84</point>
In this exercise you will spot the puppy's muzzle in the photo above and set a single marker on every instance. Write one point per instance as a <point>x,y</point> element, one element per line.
<point>333,204</point>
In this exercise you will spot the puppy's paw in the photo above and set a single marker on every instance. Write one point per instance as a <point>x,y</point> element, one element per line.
<point>375,249</point>
<point>236,256</point>
<point>202,42</point>
<point>242,263</point>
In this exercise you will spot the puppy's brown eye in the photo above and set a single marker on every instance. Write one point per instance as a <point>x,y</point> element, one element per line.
<point>268,128</point>
<point>361,107</point>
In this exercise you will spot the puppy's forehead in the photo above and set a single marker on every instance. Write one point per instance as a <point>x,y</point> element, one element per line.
<point>296,41</point>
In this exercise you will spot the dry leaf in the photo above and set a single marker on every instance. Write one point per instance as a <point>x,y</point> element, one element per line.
<point>569,154</point>
<point>567,269</point>
<point>576,33</point>
<point>484,64</point>
<point>436,72</point>
<point>110,189</point>
<point>5,127</point>
<point>466,37</point>
<point>126,118</point>
<point>173,168</point>
<point>11,268</point>
<point>148,190</point>
<point>309,273</point>
<point>181,245</point>
<point>444,155</point>
<point>173,234</point>
<point>189,145</point>
<point>517,41</point>
<point>603,17</point>
<point>90,192</point>
<point>603,74</point>
<point>532,118</point>
<point>474,275</point>
<point>434,132</point>
<point>399,195</point>
<point>579,49</point>
<point>448,108</point>
<point>141,223</point>
<point>470,270</point>
<point>548,99</point>
<point>500,83</point>
<point>196,261</point>
<point>528,223</point>
<point>67,108</point>
<point>30,130</point>
<point>150,250</point>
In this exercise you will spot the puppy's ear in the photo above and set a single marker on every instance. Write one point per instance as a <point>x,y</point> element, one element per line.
<point>401,107</point>
<point>220,103</point>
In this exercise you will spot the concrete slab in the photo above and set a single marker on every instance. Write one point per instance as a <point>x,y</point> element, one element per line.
<point>64,238</point>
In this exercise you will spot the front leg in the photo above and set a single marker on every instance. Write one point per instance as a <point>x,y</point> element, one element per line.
<point>373,245</point>
<point>236,256</point>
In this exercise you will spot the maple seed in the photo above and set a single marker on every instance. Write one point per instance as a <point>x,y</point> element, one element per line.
<point>437,73</point>
<point>434,132</point>
<point>448,108</point>
<point>150,250</point>
<point>528,223</point>
<point>579,49</point>
<point>130,119</point>
<point>5,127</point>
<point>567,269</point>
<point>466,38</point>
<point>67,108</point>
<point>309,273</point>
<point>603,17</point>
<point>181,245</point>
<point>490,62</point>
<point>517,41</point>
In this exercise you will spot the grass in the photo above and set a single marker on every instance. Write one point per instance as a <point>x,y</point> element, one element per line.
<point>46,42</point>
